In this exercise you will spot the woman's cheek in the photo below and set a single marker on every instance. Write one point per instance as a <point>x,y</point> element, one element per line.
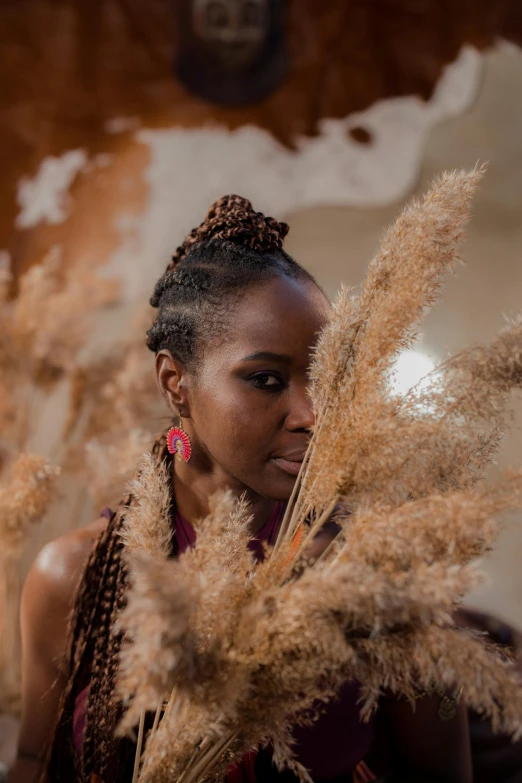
<point>237,423</point>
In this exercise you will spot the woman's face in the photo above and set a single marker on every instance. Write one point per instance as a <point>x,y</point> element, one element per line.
<point>249,411</point>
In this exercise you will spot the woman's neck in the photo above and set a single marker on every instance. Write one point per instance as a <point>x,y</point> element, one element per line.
<point>193,491</point>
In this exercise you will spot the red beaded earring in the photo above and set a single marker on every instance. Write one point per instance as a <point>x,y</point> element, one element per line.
<point>178,442</point>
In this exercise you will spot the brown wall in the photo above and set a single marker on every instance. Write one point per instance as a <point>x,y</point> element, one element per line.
<point>69,67</point>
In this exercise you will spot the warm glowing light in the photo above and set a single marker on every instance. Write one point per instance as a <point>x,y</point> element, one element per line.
<point>409,370</point>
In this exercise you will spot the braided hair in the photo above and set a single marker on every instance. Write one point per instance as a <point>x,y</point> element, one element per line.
<point>233,249</point>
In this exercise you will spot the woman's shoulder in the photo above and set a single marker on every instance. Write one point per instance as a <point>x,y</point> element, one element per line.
<point>53,578</point>
<point>62,560</point>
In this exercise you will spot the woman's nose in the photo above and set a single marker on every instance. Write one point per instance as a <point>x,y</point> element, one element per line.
<point>301,415</point>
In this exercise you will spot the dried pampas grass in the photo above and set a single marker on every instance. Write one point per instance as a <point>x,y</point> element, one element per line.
<point>44,329</point>
<point>114,413</point>
<point>355,414</point>
<point>50,312</point>
<point>109,462</point>
<point>25,497</point>
<point>246,650</point>
<point>146,527</point>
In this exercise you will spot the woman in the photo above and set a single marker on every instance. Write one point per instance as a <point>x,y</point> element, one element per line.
<point>237,319</point>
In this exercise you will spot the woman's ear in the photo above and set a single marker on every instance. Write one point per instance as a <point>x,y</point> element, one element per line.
<point>171,378</point>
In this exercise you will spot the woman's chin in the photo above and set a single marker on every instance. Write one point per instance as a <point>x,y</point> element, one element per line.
<point>279,485</point>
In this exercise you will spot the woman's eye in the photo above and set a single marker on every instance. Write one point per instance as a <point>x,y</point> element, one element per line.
<point>266,380</point>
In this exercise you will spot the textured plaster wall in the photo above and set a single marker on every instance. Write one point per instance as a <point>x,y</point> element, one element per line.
<point>335,243</point>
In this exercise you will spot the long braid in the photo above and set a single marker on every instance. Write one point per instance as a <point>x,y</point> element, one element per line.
<point>62,762</point>
<point>93,658</point>
<point>100,715</point>
<point>234,248</point>
<point>102,712</point>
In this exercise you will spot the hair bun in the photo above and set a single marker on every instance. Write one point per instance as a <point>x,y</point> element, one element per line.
<point>233,219</point>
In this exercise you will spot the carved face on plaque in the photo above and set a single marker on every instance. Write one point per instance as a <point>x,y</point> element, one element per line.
<point>231,51</point>
<point>234,30</point>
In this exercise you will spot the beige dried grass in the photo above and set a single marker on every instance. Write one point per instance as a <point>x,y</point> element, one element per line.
<point>117,390</point>
<point>114,414</point>
<point>43,331</point>
<point>109,462</point>
<point>51,310</point>
<point>256,646</point>
<point>146,528</point>
<point>25,497</point>
<point>456,526</point>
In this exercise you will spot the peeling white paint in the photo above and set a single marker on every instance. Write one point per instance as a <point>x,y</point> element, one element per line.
<point>122,124</point>
<point>45,197</point>
<point>189,169</point>
<point>101,161</point>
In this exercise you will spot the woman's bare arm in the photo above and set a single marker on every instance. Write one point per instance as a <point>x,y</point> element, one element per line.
<point>42,682</point>
<point>47,600</point>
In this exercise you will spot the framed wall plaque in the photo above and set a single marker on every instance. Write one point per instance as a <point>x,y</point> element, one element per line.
<point>231,52</point>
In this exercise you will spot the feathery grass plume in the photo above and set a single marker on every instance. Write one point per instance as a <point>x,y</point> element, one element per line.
<point>334,349</point>
<point>222,555</point>
<point>475,384</point>
<point>405,277</point>
<point>10,411</point>
<point>210,583</point>
<point>113,416</point>
<point>446,435</point>
<point>296,645</point>
<point>222,565</point>
<point>146,527</point>
<point>43,331</point>
<point>269,641</point>
<point>110,463</point>
<point>130,391</point>
<point>381,601</point>
<point>498,365</point>
<point>289,648</point>
<point>223,536</point>
<point>114,407</point>
<point>51,310</point>
<point>420,658</point>
<point>118,389</point>
<point>146,532</point>
<point>402,280</point>
<point>443,437</point>
<point>294,628</point>
<point>453,527</point>
<point>47,327</point>
<point>413,661</point>
<point>283,757</point>
<point>171,750</point>
<point>157,622</point>
<point>24,499</point>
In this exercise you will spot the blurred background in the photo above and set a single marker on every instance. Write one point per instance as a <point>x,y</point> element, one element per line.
<point>121,121</point>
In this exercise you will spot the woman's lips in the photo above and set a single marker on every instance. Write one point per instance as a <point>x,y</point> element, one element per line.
<point>289,466</point>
